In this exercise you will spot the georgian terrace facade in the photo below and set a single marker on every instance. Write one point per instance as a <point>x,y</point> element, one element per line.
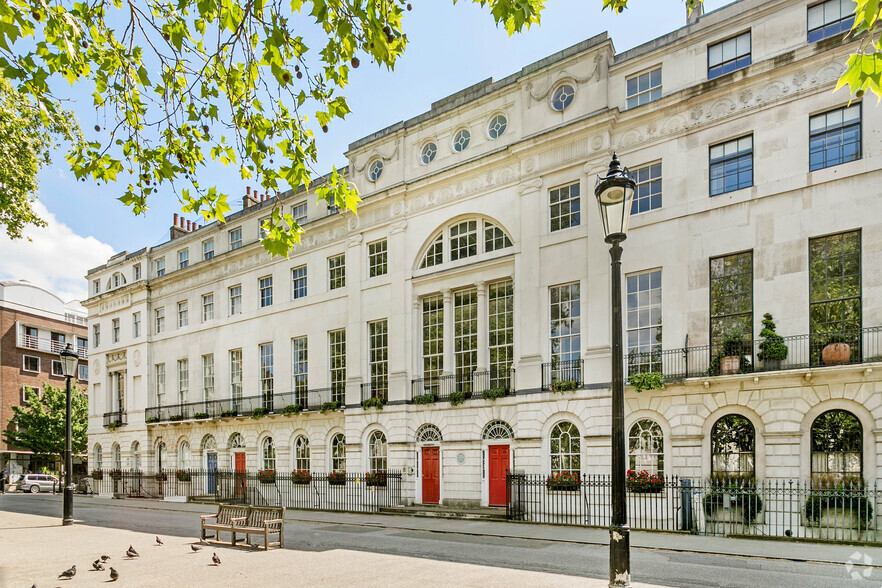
<point>471,292</point>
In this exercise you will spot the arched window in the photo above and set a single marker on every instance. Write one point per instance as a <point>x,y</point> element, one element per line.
<point>136,456</point>
<point>236,441</point>
<point>646,447</point>
<point>837,448</point>
<point>566,449</point>
<point>301,453</point>
<point>116,457</point>
<point>497,430</point>
<point>338,453</point>
<point>268,454</point>
<point>466,238</point>
<point>209,444</point>
<point>98,457</point>
<point>733,448</point>
<point>184,456</point>
<point>495,238</point>
<point>377,452</point>
<point>428,434</point>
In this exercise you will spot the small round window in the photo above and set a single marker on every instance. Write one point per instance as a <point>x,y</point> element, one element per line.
<point>497,126</point>
<point>562,97</point>
<point>427,154</point>
<point>375,170</point>
<point>461,140</point>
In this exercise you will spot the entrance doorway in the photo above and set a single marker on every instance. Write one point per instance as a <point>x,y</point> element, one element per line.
<point>431,475</point>
<point>211,465</point>
<point>239,463</point>
<point>499,463</point>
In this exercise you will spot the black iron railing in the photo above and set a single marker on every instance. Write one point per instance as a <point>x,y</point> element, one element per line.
<point>563,374</point>
<point>115,419</point>
<point>769,508</point>
<point>279,403</point>
<point>344,491</point>
<point>433,389</point>
<point>479,383</point>
<point>803,351</point>
<point>376,389</point>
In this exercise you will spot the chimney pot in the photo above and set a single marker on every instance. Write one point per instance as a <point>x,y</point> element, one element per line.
<point>248,190</point>
<point>188,225</point>
<point>176,219</point>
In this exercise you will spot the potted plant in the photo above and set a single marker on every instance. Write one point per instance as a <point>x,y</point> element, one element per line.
<point>457,398</point>
<point>563,481</point>
<point>337,478</point>
<point>646,381</point>
<point>229,413</point>
<point>836,351</point>
<point>200,415</point>
<point>644,482</point>
<point>838,506</point>
<point>735,496</point>
<point>493,393</point>
<point>97,475</point>
<point>772,349</point>
<point>258,412</point>
<point>149,420</point>
<point>301,477</point>
<point>375,402</point>
<point>160,477</point>
<point>115,474</point>
<point>331,406</point>
<point>292,410</point>
<point>182,475</point>
<point>375,479</point>
<point>427,398</point>
<point>733,350</point>
<point>266,476</point>
<point>176,417</point>
<point>564,386</point>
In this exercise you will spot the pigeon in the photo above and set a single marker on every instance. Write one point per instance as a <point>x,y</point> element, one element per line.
<point>114,575</point>
<point>131,552</point>
<point>104,558</point>
<point>195,548</point>
<point>97,565</point>
<point>158,541</point>
<point>215,559</point>
<point>69,573</point>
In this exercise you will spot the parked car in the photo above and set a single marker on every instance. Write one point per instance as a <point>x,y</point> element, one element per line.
<point>34,483</point>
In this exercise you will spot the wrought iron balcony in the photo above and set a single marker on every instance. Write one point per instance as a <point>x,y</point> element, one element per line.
<point>378,388</point>
<point>803,351</point>
<point>115,419</point>
<point>462,385</point>
<point>567,374</point>
<point>285,403</point>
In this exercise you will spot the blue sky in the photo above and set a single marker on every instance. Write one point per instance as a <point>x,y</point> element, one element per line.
<point>450,47</point>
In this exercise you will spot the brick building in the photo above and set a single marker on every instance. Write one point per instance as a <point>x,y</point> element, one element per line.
<point>35,325</point>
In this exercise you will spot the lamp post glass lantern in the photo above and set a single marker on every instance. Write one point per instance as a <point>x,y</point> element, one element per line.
<point>69,361</point>
<point>614,195</point>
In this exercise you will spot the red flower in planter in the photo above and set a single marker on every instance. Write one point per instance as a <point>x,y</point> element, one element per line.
<point>375,478</point>
<point>643,481</point>
<point>337,478</point>
<point>301,477</point>
<point>563,481</point>
<point>266,476</point>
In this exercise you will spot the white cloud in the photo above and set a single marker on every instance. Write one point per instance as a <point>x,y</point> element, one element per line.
<point>55,258</point>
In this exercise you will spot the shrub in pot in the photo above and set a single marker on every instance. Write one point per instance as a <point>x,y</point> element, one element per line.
<point>564,386</point>
<point>772,349</point>
<point>836,351</point>
<point>427,398</point>
<point>493,393</point>
<point>291,410</point>
<point>374,402</point>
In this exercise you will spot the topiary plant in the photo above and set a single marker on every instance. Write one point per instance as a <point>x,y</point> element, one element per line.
<point>772,347</point>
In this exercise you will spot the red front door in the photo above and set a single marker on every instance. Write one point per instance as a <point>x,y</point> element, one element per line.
<point>240,473</point>
<point>431,475</point>
<point>498,470</point>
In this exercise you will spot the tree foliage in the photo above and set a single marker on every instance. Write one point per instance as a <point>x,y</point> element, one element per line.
<point>39,424</point>
<point>27,136</point>
<point>191,82</point>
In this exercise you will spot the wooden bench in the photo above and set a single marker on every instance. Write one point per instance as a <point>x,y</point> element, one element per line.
<point>262,520</point>
<point>223,521</point>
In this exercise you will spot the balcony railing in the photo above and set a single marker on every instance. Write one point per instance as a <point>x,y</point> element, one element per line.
<point>463,385</point>
<point>287,403</point>
<point>115,419</point>
<point>803,351</point>
<point>47,345</point>
<point>379,388</point>
<point>569,372</point>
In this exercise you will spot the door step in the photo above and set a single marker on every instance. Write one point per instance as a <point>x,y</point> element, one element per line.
<point>482,514</point>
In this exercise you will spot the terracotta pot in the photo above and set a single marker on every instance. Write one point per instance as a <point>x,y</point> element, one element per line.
<point>836,354</point>
<point>730,364</point>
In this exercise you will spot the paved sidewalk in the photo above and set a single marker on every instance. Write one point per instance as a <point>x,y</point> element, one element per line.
<point>37,548</point>
<point>683,542</point>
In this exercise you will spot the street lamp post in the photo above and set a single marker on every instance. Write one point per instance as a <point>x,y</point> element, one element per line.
<point>614,195</point>
<point>69,361</point>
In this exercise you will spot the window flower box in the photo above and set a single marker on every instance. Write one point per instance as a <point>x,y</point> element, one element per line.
<point>97,475</point>
<point>301,477</point>
<point>645,483</point>
<point>182,475</point>
<point>375,479</point>
<point>266,476</point>
<point>337,478</point>
<point>563,481</point>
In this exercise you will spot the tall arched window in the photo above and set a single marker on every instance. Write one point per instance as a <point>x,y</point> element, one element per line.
<point>116,457</point>
<point>268,454</point>
<point>301,453</point>
<point>837,447</point>
<point>136,456</point>
<point>338,453</point>
<point>646,447</point>
<point>377,452</point>
<point>733,448</point>
<point>566,449</point>
<point>184,455</point>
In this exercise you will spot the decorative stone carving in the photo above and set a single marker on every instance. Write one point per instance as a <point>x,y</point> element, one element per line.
<point>136,357</point>
<point>115,359</point>
<point>564,75</point>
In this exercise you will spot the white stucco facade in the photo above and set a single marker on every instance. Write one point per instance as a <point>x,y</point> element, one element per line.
<point>510,181</point>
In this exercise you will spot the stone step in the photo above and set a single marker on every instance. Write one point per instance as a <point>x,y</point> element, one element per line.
<point>485,514</point>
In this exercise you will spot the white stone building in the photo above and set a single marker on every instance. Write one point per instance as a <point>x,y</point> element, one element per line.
<point>478,249</point>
